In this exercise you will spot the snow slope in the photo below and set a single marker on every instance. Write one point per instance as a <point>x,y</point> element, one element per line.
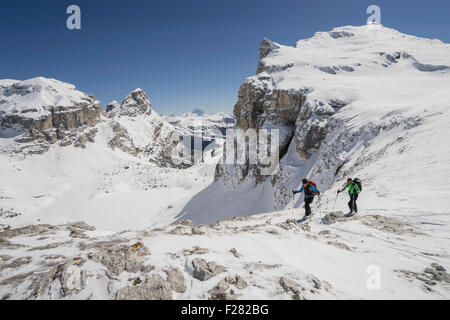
<point>274,259</point>
<point>107,188</point>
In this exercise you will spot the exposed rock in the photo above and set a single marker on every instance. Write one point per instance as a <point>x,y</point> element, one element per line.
<point>291,287</point>
<point>181,230</point>
<point>28,230</point>
<point>339,245</point>
<point>260,108</point>
<point>81,225</point>
<point>155,288</point>
<point>14,280</point>
<point>429,277</point>
<point>340,34</point>
<point>219,292</point>
<point>188,223</point>
<point>122,140</point>
<point>333,217</point>
<point>100,244</point>
<point>195,250</point>
<point>16,263</point>
<point>311,132</point>
<point>257,106</point>
<point>46,247</point>
<point>388,224</point>
<point>136,103</point>
<point>176,280</point>
<point>119,258</point>
<point>237,281</point>
<point>205,270</point>
<point>4,227</point>
<point>8,214</point>
<point>8,245</point>
<point>71,278</point>
<point>293,224</point>
<point>265,49</point>
<point>318,284</point>
<point>4,258</point>
<point>77,233</point>
<point>235,253</point>
<point>112,105</point>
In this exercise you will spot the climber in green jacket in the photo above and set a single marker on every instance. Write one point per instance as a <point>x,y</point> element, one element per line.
<point>353,191</point>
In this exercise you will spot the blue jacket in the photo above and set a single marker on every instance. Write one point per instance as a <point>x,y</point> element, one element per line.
<point>313,189</point>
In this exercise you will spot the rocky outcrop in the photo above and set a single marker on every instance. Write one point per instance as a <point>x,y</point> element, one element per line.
<point>136,103</point>
<point>119,258</point>
<point>257,106</point>
<point>112,106</point>
<point>203,270</point>
<point>69,277</point>
<point>223,290</point>
<point>291,287</point>
<point>176,280</point>
<point>154,288</point>
<point>265,49</point>
<point>429,277</point>
<point>122,140</point>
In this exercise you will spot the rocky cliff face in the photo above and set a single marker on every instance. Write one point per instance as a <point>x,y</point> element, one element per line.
<point>135,104</point>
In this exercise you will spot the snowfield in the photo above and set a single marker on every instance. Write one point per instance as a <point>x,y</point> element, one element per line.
<point>97,185</point>
<point>102,222</point>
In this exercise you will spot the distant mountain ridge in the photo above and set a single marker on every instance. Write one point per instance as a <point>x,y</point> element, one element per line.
<point>38,114</point>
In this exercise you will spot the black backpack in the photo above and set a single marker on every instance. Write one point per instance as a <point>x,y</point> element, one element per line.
<point>357,181</point>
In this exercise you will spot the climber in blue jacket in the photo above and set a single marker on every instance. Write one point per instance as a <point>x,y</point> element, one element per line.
<point>310,191</point>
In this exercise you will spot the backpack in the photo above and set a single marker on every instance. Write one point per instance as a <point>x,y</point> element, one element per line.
<point>357,181</point>
<point>311,182</point>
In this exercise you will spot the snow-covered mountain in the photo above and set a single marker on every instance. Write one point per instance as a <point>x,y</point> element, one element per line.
<point>367,102</point>
<point>356,101</point>
<point>36,113</point>
<point>40,114</point>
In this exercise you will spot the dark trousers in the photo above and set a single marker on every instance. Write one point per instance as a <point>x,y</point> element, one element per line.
<point>352,202</point>
<point>308,201</point>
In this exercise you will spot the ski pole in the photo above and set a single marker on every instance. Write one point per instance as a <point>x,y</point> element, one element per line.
<point>335,201</point>
<point>293,200</point>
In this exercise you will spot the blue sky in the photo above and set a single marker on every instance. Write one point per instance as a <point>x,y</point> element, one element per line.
<point>184,54</point>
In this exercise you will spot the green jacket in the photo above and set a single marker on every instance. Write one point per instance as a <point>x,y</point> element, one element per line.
<point>352,188</point>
